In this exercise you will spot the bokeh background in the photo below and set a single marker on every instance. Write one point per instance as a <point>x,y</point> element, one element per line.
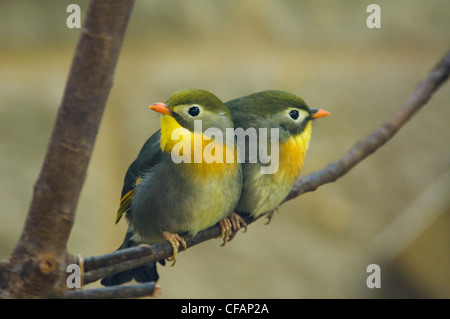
<point>393,209</point>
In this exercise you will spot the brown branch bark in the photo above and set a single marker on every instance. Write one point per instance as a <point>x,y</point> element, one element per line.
<point>36,267</point>
<point>100,266</point>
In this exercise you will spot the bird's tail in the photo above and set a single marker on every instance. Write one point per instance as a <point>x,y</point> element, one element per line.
<point>145,273</point>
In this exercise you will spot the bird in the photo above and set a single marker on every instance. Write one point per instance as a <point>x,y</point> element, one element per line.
<point>286,119</point>
<point>185,179</point>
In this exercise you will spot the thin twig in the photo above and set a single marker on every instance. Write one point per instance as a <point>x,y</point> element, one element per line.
<point>379,137</point>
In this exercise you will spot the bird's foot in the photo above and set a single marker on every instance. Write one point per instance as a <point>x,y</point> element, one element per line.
<point>230,226</point>
<point>270,215</point>
<point>174,240</point>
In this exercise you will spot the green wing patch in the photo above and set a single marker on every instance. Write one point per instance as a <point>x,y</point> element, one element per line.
<point>125,202</point>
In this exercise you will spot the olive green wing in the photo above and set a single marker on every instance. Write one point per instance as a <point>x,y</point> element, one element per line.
<point>149,156</point>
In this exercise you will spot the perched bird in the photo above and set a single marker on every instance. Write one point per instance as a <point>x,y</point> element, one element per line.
<point>287,121</point>
<point>184,179</point>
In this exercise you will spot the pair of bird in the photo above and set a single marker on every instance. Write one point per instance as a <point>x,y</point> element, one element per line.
<point>164,196</point>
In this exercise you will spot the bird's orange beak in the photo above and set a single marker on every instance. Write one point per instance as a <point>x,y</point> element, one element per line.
<point>318,113</point>
<point>160,108</point>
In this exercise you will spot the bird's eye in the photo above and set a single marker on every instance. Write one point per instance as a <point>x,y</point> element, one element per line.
<point>294,114</point>
<point>194,111</point>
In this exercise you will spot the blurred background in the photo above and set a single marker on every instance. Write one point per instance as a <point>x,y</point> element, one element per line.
<point>393,209</point>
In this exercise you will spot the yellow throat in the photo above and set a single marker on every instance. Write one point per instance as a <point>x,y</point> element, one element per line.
<point>203,155</point>
<point>292,155</point>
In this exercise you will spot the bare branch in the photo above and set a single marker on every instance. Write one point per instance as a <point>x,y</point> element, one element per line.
<point>40,254</point>
<point>63,173</point>
<point>101,266</point>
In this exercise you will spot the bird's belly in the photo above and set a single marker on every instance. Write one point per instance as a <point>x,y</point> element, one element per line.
<point>267,198</point>
<point>215,204</point>
<point>181,204</point>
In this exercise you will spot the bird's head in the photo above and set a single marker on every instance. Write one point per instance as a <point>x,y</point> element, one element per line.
<point>186,106</point>
<point>277,109</point>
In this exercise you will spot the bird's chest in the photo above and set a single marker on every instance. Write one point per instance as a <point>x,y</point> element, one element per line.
<point>291,157</point>
<point>264,192</point>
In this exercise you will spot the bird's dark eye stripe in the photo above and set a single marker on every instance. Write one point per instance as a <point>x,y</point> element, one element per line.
<point>194,110</point>
<point>294,114</point>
